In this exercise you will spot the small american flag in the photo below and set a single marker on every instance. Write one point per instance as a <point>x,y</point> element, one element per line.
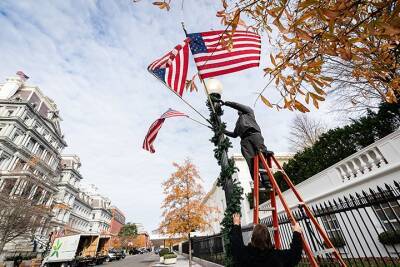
<point>172,68</point>
<point>156,126</point>
<point>22,75</point>
<point>213,59</point>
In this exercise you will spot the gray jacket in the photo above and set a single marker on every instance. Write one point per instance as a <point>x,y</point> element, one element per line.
<point>246,122</point>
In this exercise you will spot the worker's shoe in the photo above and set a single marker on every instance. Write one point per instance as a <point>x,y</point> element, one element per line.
<point>265,182</point>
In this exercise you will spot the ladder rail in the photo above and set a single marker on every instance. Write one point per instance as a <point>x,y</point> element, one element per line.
<point>256,195</point>
<point>307,210</point>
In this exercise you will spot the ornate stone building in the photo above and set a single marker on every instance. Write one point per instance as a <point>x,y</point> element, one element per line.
<point>31,165</point>
<point>31,142</point>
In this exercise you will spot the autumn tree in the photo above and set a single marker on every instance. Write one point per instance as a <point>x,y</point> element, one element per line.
<point>127,234</point>
<point>305,131</point>
<point>20,217</point>
<point>350,46</point>
<point>183,209</point>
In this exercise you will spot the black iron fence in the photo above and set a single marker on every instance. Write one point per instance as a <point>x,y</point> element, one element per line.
<point>364,227</point>
<point>209,248</point>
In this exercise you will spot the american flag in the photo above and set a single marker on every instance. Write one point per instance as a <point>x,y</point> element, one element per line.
<point>22,75</point>
<point>156,126</point>
<point>172,68</point>
<point>212,58</point>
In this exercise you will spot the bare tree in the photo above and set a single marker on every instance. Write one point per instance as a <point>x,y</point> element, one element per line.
<point>352,96</point>
<point>305,131</point>
<point>19,216</point>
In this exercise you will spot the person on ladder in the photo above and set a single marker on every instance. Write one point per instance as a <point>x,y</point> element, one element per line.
<point>251,140</point>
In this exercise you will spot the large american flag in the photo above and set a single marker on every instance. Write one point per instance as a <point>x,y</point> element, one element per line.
<point>156,126</point>
<point>172,68</point>
<point>212,58</point>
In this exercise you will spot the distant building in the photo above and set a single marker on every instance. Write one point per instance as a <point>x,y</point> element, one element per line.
<point>101,215</point>
<point>117,220</point>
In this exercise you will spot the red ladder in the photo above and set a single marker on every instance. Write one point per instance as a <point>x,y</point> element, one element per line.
<point>267,165</point>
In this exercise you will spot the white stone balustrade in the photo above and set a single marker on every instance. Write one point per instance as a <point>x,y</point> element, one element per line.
<point>373,165</point>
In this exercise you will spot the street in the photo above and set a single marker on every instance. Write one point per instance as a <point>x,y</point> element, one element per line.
<point>140,260</point>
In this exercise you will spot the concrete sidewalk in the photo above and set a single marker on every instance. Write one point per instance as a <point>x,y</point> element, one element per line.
<point>181,262</point>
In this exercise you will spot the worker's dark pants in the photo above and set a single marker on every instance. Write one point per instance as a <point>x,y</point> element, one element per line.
<point>250,146</point>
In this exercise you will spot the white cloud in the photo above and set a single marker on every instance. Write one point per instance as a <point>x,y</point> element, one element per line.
<point>91,58</point>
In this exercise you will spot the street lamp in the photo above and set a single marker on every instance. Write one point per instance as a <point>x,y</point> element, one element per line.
<point>214,89</point>
<point>214,86</point>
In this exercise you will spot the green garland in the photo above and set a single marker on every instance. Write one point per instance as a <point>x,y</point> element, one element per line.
<point>222,144</point>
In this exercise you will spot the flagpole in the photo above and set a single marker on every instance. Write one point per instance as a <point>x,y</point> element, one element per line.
<point>204,84</point>
<point>199,122</point>
<point>184,101</point>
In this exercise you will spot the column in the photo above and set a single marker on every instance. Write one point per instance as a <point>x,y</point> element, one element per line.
<point>12,163</point>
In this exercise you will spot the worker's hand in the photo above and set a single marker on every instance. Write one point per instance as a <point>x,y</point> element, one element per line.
<point>236,219</point>
<point>219,101</point>
<point>297,228</point>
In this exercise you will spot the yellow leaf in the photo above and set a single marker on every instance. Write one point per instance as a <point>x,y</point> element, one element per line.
<point>315,102</point>
<point>235,21</point>
<point>300,107</point>
<point>266,102</point>
<point>307,3</point>
<point>315,96</point>
<point>279,25</point>
<point>307,98</point>
<point>303,35</point>
<point>272,60</point>
<point>224,4</point>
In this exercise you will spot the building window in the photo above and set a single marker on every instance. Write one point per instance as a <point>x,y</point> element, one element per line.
<point>31,144</point>
<point>39,151</point>
<point>16,135</point>
<point>20,165</point>
<point>10,111</point>
<point>27,189</point>
<point>389,215</point>
<point>8,185</point>
<point>332,226</point>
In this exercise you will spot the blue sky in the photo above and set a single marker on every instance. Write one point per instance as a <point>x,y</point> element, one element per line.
<point>91,58</point>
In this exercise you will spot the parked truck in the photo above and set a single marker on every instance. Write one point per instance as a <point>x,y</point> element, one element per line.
<point>78,250</point>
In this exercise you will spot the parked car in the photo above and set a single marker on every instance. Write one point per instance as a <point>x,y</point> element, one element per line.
<point>111,255</point>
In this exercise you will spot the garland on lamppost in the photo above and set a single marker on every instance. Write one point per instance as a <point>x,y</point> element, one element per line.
<point>232,187</point>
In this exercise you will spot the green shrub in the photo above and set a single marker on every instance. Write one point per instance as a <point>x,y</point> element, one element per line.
<point>164,251</point>
<point>170,256</point>
<point>389,237</point>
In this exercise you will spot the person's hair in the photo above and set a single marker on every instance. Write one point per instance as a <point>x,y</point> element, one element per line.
<point>261,238</point>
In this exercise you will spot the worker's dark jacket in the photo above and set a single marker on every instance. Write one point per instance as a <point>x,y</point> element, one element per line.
<point>249,256</point>
<point>246,122</point>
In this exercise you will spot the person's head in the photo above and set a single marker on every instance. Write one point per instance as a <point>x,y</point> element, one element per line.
<point>261,238</point>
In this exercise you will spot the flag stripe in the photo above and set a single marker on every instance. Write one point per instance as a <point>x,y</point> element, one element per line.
<point>227,71</point>
<point>229,62</point>
<point>222,54</point>
<point>227,66</point>
<point>211,41</point>
<point>211,33</point>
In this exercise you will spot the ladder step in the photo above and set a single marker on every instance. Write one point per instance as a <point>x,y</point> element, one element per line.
<point>324,251</point>
<point>267,209</point>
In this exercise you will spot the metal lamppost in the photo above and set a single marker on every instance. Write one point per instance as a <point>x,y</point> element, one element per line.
<point>214,89</point>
